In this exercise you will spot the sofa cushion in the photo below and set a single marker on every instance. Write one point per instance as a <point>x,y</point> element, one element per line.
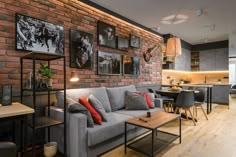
<point>75,107</point>
<point>114,127</point>
<point>98,107</point>
<point>96,117</point>
<point>149,99</point>
<point>135,101</point>
<point>135,113</point>
<point>116,96</point>
<point>99,93</point>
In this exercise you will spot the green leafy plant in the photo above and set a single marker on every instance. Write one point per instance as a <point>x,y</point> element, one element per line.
<point>45,71</point>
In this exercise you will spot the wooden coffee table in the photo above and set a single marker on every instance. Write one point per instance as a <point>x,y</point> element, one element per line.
<point>153,142</point>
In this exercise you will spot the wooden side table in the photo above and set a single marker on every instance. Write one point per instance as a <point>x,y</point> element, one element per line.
<point>17,111</point>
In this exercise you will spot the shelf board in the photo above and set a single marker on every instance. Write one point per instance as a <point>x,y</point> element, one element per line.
<point>42,56</point>
<point>144,145</point>
<point>194,65</point>
<point>44,90</point>
<point>43,122</point>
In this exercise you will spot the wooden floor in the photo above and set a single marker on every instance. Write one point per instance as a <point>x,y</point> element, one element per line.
<point>215,137</point>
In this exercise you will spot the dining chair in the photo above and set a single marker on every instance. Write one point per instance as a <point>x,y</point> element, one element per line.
<point>199,100</point>
<point>185,101</point>
<point>166,102</point>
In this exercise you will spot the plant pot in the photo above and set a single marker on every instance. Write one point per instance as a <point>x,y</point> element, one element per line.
<point>49,83</point>
<point>50,149</point>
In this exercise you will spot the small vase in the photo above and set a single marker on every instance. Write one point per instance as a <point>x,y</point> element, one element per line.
<point>50,149</point>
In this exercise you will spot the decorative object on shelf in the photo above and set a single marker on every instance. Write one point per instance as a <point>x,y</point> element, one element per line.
<point>148,53</point>
<point>173,47</point>
<point>122,43</point>
<point>74,77</point>
<point>109,63</point>
<point>50,149</point>
<point>33,34</point>
<point>131,65</point>
<point>106,35</point>
<point>81,49</point>
<point>6,95</point>
<point>46,74</point>
<point>134,41</point>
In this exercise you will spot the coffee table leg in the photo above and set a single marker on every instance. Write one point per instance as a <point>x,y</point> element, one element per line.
<point>180,133</point>
<point>125,136</point>
<point>153,134</point>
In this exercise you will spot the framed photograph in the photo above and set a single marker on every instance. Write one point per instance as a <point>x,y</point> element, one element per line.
<point>131,65</point>
<point>37,35</point>
<point>106,35</point>
<point>134,41</point>
<point>122,43</point>
<point>81,49</point>
<point>109,63</point>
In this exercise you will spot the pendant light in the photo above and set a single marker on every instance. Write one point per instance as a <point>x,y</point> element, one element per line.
<point>173,47</point>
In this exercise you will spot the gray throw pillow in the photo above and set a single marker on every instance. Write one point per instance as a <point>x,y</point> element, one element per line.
<point>135,101</point>
<point>75,107</point>
<point>98,107</point>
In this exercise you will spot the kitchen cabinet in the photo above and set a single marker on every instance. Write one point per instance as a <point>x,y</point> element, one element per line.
<point>183,62</point>
<point>212,60</point>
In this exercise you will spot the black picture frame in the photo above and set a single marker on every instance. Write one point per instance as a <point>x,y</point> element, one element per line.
<point>33,34</point>
<point>131,65</point>
<point>109,63</point>
<point>122,43</point>
<point>106,35</point>
<point>81,49</point>
<point>134,41</point>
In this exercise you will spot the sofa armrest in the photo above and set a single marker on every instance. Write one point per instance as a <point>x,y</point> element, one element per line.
<point>158,102</point>
<point>76,132</point>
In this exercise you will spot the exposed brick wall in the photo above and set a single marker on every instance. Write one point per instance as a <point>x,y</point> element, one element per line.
<point>72,14</point>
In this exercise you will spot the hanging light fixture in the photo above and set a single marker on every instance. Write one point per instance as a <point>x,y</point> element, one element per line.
<point>173,47</point>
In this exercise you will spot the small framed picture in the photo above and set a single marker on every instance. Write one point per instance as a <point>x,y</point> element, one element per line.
<point>81,49</point>
<point>106,35</point>
<point>134,41</point>
<point>33,34</point>
<point>122,43</point>
<point>131,65</point>
<point>109,63</point>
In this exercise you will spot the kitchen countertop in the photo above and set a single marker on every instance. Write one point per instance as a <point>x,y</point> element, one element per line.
<point>200,85</point>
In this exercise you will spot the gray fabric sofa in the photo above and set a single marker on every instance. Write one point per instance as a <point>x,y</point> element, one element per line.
<point>90,142</point>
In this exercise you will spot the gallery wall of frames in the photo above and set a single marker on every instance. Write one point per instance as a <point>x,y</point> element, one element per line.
<point>103,50</point>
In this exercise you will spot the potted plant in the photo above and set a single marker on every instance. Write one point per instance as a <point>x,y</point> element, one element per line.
<point>46,74</point>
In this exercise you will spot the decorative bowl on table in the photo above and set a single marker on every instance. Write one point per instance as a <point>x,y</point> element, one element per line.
<point>50,149</point>
<point>175,88</point>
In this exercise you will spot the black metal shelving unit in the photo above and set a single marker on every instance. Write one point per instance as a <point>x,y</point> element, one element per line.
<point>45,121</point>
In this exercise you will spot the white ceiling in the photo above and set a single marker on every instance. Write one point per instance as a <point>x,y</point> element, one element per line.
<point>218,18</point>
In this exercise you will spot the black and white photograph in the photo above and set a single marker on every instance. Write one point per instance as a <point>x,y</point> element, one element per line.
<point>37,35</point>
<point>122,43</point>
<point>131,65</point>
<point>109,63</point>
<point>134,41</point>
<point>106,35</point>
<point>81,49</point>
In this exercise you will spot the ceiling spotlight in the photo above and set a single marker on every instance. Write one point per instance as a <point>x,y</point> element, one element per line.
<point>199,12</point>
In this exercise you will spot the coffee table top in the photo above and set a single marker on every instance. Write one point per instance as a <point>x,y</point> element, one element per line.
<point>156,120</point>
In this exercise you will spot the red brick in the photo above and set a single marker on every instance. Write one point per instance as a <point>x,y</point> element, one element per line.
<point>3,76</point>
<point>38,5</point>
<point>2,40</point>
<point>57,2</point>
<point>14,8</point>
<point>2,5</point>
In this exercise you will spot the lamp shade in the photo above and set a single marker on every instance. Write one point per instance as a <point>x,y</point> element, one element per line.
<point>173,47</point>
<point>74,77</point>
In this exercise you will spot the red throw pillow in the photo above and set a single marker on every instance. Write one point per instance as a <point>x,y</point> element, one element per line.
<point>148,100</point>
<point>96,117</point>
